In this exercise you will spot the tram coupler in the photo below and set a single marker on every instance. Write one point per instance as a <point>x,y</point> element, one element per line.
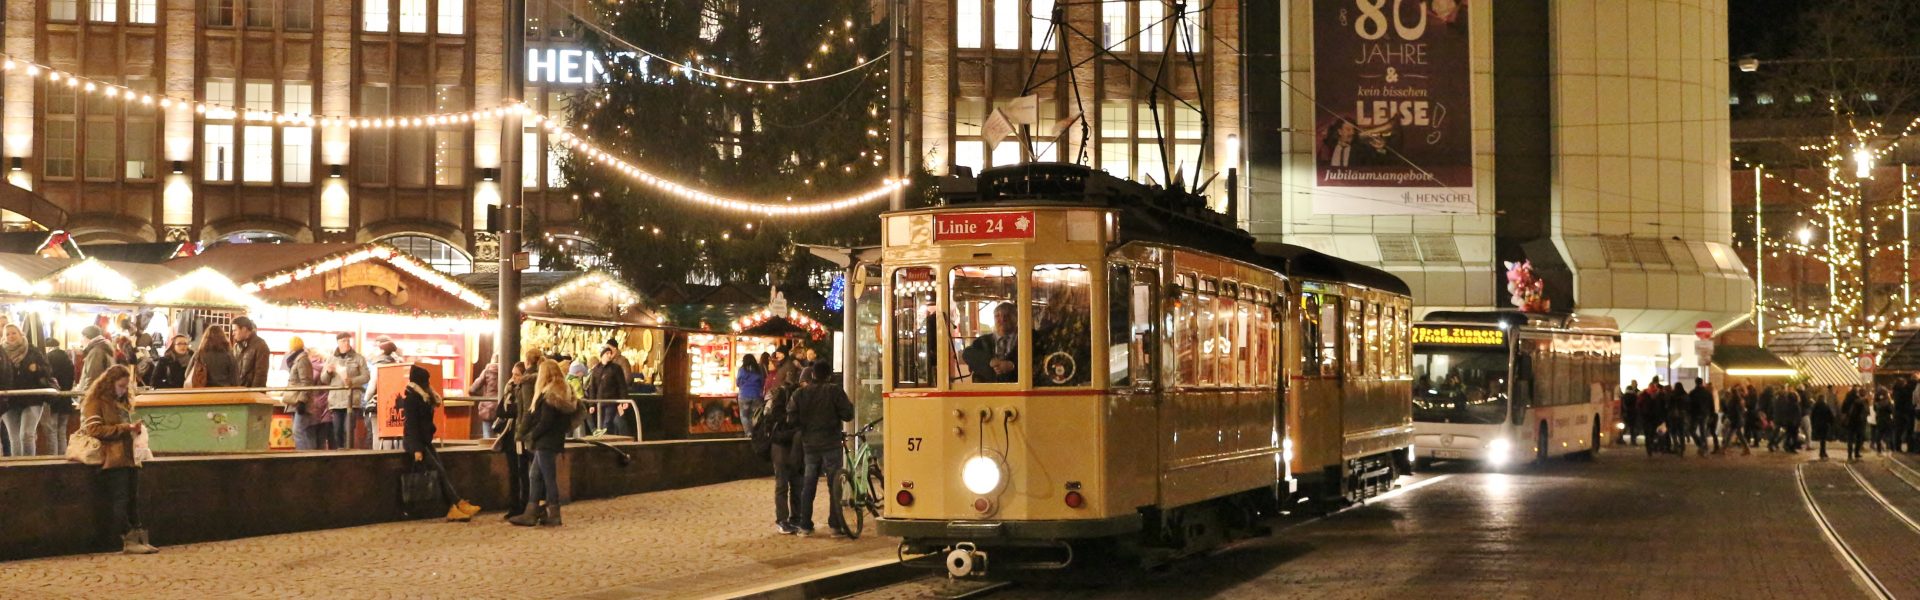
<point>966,560</point>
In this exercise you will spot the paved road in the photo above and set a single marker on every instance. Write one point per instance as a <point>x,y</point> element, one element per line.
<point>712,540</point>
<point>1627,526</point>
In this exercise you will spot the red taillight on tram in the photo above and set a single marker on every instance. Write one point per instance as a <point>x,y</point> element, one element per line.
<point>904,498</point>
<point>1075,500</point>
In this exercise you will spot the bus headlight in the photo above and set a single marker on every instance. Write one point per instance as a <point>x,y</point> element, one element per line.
<point>1497,450</point>
<point>981,475</point>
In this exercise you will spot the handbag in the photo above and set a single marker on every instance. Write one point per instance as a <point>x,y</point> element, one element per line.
<point>83,448</point>
<point>418,487</point>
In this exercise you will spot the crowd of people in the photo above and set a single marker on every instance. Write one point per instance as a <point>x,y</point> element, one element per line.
<point>1786,418</point>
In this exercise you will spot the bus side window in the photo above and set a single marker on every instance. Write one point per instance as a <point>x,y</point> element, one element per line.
<point>1145,292</point>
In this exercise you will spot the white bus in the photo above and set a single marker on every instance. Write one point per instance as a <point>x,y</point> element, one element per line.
<point>1503,386</point>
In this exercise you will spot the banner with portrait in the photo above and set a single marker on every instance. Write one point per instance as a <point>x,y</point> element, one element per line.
<point>1393,94</point>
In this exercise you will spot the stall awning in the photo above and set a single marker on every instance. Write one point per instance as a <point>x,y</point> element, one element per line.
<point>1903,353</point>
<point>585,295</point>
<point>1751,361</point>
<point>1827,369</point>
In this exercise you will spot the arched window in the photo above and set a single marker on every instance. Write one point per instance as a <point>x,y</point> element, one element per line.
<point>437,254</point>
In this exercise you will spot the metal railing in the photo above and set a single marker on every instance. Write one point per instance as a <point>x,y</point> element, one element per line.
<point>178,391</point>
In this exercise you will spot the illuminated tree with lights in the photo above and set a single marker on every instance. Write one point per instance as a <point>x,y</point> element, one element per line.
<point>1848,166</point>
<point>727,120</point>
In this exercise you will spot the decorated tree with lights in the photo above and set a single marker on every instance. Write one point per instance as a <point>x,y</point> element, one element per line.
<point>722,96</point>
<point>1856,204</point>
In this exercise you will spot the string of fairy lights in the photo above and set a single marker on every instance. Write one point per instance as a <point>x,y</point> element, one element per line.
<point>1847,239</point>
<point>575,137</point>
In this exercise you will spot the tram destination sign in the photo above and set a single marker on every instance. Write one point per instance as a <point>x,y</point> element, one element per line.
<point>953,227</point>
<point>1449,335</point>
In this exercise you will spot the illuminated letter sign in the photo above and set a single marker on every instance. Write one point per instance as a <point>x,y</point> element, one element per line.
<point>1458,336</point>
<point>568,65</point>
<point>983,226</point>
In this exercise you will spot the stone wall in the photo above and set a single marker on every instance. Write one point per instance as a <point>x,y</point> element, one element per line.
<point>55,508</point>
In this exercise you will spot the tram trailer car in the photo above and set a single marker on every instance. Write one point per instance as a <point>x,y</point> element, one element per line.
<point>1075,360</point>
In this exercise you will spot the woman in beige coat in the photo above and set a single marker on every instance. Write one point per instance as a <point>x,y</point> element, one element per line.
<point>107,415</point>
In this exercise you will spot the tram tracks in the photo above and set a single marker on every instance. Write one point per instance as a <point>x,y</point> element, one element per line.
<point>1836,537</point>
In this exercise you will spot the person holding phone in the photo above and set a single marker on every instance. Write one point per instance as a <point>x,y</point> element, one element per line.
<point>107,415</point>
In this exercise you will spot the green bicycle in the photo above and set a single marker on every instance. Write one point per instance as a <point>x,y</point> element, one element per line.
<point>861,479</point>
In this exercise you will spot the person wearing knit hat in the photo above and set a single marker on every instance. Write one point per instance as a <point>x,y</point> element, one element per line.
<point>309,409</point>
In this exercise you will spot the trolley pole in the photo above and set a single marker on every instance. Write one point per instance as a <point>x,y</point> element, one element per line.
<point>897,103</point>
<point>513,86</point>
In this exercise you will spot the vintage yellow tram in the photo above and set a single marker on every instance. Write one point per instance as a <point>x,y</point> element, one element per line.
<point>1073,357</point>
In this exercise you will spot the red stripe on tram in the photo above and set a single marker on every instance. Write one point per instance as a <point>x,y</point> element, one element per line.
<point>984,393</point>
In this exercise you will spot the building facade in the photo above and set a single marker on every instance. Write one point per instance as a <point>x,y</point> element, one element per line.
<point>1600,157</point>
<point>106,169</point>
<point>1103,65</point>
<point>1598,154</point>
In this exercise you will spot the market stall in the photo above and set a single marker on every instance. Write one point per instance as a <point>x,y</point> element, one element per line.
<point>575,314</point>
<point>370,291</point>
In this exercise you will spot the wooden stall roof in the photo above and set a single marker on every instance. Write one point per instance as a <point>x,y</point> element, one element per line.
<point>103,280</point>
<point>351,276</point>
<point>587,295</point>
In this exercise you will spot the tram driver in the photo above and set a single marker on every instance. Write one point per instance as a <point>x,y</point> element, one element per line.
<point>991,357</point>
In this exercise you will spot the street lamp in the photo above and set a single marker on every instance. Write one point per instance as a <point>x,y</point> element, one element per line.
<point>1805,235</point>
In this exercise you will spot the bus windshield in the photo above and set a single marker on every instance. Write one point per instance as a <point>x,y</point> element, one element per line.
<point>1459,385</point>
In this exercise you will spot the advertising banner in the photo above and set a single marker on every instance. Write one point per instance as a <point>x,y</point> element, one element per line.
<point>1392,84</point>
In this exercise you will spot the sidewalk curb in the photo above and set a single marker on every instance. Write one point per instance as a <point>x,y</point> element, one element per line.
<point>836,584</point>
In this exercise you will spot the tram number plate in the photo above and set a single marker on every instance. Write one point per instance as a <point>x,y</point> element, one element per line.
<point>913,444</point>
<point>983,226</point>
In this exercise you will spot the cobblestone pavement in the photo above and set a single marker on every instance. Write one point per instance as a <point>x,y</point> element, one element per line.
<point>712,540</point>
<point>1627,526</point>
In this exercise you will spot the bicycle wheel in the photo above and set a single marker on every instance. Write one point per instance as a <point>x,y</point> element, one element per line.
<point>876,490</point>
<point>851,511</point>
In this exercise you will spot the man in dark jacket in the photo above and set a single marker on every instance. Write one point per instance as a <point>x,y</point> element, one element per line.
<point>1653,411</point>
<point>252,358</point>
<point>1701,411</point>
<point>817,411</point>
<point>1822,421</point>
<point>1903,415</point>
<point>60,410</point>
<point>1786,418</point>
<point>1853,419</point>
<point>789,459</point>
<point>1629,412</point>
<point>609,382</point>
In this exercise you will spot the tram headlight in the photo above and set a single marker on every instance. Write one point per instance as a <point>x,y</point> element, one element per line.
<point>1497,450</point>
<point>981,475</point>
<point>1286,449</point>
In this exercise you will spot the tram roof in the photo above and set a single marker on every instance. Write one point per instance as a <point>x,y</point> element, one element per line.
<point>1155,215</point>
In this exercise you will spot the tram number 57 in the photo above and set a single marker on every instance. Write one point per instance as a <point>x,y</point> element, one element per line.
<point>913,444</point>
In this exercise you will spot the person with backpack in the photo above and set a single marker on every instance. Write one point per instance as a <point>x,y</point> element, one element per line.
<point>818,411</point>
<point>1853,419</point>
<point>789,460</point>
<point>552,414</point>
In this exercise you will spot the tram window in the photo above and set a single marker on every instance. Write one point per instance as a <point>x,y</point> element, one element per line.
<point>1242,358</point>
<point>913,326</point>
<point>1186,358</point>
<point>1265,337</point>
<point>1374,333</point>
<point>1203,327</point>
<point>1320,334</point>
<point>986,325</point>
<point>1356,342</point>
<point>1224,341</point>
<point>1119,325</point>
<point>1062,333</point>
<point>1145,290</point>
